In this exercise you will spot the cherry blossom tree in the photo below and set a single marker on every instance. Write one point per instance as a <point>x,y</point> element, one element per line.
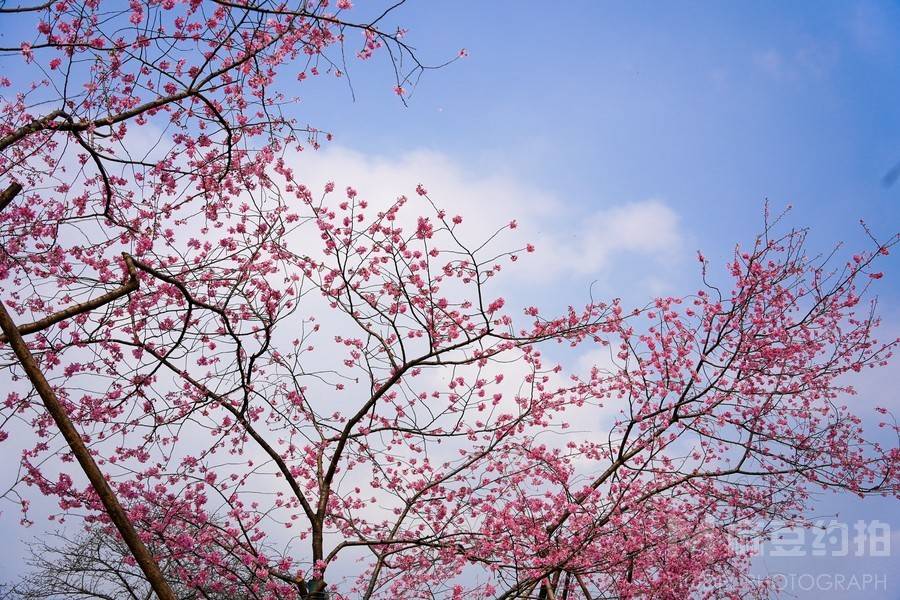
<point>96,564</point>
<point>326,389</point>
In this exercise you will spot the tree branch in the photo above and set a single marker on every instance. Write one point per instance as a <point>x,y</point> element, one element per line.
<point>126,288</point>
<point>107,497</point>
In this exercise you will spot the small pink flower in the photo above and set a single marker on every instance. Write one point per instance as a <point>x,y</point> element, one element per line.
<point>496,305</point>
<point>424,229</point>
<point>137,12</point>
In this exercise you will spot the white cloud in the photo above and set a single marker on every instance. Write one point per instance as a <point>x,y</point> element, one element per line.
<point>570,240</point>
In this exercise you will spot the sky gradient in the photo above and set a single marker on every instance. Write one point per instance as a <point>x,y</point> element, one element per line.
<point>628,136</point>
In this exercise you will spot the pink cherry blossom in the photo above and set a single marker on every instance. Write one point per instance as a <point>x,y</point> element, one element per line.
<point>246,358</point>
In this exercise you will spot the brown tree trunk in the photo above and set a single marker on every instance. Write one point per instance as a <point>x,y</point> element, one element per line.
<point>115,511</point>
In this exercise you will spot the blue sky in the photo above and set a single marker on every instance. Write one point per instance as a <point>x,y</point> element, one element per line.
<point>713,107</point>
<point>700,111</point>
<point>708,109</point>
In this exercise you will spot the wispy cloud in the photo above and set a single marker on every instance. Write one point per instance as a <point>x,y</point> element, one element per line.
<point>810,60</point>
<point>570,241</point>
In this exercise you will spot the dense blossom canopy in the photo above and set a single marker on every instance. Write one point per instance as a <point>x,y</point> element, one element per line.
<point>293,389</point>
